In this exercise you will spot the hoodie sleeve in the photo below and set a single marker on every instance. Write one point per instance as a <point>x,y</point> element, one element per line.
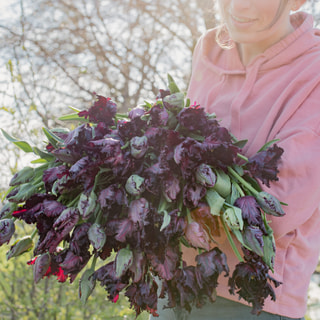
<point>299,176</point>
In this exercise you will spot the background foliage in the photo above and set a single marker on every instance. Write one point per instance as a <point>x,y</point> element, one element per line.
<point>58,53</point>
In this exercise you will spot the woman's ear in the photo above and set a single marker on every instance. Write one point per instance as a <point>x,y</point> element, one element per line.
<point>297,4</point>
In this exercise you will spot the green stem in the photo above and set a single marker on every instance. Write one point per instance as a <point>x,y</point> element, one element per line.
<point>35,231</point>
<point>233,245</point>
<point>74,201</point>
<point>189,216</point>
<point>94,261</point>
<point>39,185</point>
<point>242,194</point>
<point>241,156</point>
<point>242,181</point>
<point>98,219</point>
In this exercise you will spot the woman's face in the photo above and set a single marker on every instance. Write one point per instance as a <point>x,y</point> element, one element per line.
<point>253,21</point>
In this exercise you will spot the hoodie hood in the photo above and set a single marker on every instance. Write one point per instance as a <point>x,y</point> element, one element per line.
<point>227,61</point>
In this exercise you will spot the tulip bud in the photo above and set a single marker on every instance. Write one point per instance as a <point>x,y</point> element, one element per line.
<point>67,219</point>
<point>137,112</point>
<point>41,266</point>
<point>7,229</point>
<point>253,238</point>
<point>123,261</point>
<point>97,236</point>
<point>269,249</point>
<point>87,205</point>
<point>7,210</point>
<point>171,188</point>
<point>19,247</point>
<point>174,102</point>
<point>233,218</point>
<point>269,204</point>
<point>23,176</point>
<point>197,236</point>
<point>135,185</point>
<point>22,193</point>
<point>86,285</point>
<point>138,210</point>
<point>139,146</point>
<point>205,176</point>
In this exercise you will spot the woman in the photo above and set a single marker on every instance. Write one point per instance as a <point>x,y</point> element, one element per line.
<point>260,74</point>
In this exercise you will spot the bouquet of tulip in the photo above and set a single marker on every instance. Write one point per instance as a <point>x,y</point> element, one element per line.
<point>132,190</point>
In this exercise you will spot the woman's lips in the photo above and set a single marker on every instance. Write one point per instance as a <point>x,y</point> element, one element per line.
<point>241,21</point>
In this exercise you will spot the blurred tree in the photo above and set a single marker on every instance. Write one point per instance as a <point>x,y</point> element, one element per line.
<point>58,53</point>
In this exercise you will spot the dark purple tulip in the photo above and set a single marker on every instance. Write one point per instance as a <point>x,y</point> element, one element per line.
<point>138,265</point>
<point>194,119</point>
<point>162,93</point>
<point>79,137</point>
<point>125,229</point>
<point>138,211</point>
<point>253,238</point>
<point>68,217</point>
<point>41,266</point>
<point>192,194</point>
<point>219,152</point>
<point>165,262</point>
<point>103,110</point>
<point>108,149</point>
<point>188,155</point>
<point>205,175</point>
<point>251,212</point>
<point>250,280</point>
<point>159,115</point>
<point>7,229</point>
<point>106,275</point>
<point>143,296</point>
<point>73,264</point>
<point>52,208</point>
<point>264,164</point>
<point>210,265</point>
<point>187,149</point>
<point>171,187</point>
<point>79,167</point>
<point>128,129</point>
<point>52,174</point>
<point>156,136</point>
<point>137,112</point>
<point>79,243</point>
<point>183,290</point>
<point>61,229</point>
<point>112,195</point>
<point>197,236</point>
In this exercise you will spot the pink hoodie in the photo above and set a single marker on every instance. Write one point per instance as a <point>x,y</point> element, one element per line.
<point>276,96</point>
